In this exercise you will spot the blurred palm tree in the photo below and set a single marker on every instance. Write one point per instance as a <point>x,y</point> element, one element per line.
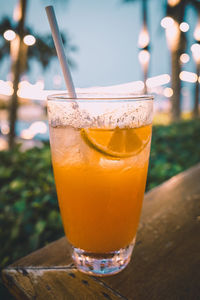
<point>176,10</point>
<point>196,35</point>
<point>177,43</point>
<point>144,8</point>
<point>43,51</point>
<point>143,41</point>
<point>176,39</point>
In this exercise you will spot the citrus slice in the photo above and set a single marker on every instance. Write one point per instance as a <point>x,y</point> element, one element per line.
<point>118,143</point>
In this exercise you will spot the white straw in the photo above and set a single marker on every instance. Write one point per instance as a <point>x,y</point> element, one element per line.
<point>60,50</point>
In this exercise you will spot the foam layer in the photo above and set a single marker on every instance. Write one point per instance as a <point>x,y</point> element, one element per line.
<point>100,113</point>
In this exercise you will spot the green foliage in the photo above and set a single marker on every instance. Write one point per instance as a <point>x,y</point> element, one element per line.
<point>29,215</point>
<point>174,149</point>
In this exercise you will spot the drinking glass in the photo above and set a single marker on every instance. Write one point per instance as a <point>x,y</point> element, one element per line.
<point>100,146</point>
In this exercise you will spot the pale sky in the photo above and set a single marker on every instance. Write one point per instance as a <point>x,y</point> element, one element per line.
<point>106,34</point>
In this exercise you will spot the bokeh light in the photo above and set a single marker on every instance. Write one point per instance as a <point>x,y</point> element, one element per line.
<point>5,129</point>
<point>38,127</point>
<point>188,76</point>
<point>17,13</point>
<point>167,22</point>
<point>144,57</point>
<point>29,40</point>
<point>184,27</point>
<point>144,39</point>
<point>184,58</point>
<point>195,48</point>
<point>26,134</point>
<point>9,35</point>
<point>30,91</point>
<point>168,92</point>
<point>6,88</point>
<point>172,36</point>
<point>173,2</point>
<point>158,80</point>
<point>197,32</point>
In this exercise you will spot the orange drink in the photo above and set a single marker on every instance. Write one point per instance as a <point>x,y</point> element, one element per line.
<point>100,170</point>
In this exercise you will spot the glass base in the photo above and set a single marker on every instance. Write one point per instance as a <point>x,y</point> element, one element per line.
<point>102,264</point>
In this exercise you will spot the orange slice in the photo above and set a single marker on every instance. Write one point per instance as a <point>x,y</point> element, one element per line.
<point>118,143</point>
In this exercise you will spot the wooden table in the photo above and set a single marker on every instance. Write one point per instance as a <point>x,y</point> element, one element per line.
<point>165,264</point>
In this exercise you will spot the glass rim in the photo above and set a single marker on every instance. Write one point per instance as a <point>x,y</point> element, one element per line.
<point>108,97</point>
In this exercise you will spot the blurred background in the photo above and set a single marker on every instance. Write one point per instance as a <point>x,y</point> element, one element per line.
<point>137,46</point>
<point>152,46</point>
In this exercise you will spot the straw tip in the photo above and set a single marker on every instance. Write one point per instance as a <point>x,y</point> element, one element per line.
<point>49,7</point>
